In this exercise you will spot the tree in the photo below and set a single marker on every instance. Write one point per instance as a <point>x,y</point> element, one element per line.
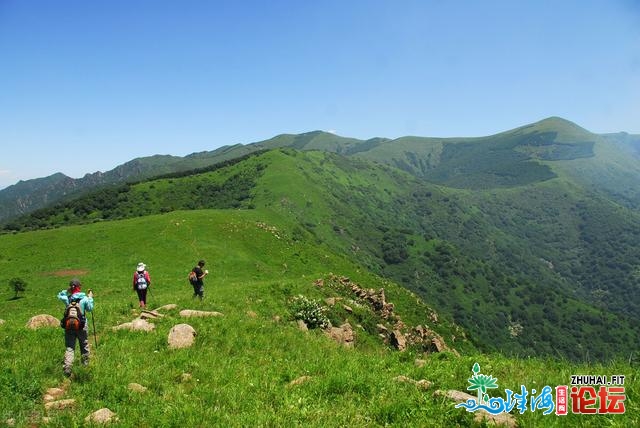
<point>18,285</point>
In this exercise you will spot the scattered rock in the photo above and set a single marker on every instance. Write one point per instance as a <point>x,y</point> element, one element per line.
<point>319,282</point>
<point>420,363</point>
<point>150,314</point>
<point>11,422</point>
<point>331,301</point>
<point>343,335</point>
<point>136,387</point>
<point>348,308</point>
<point>276,318</point>
<point>53,394</point>
<point>181,336</point>
<point>2,322</point>
<point>137,324</point>
<point>102,416</point>
<point>188,313</point>
<point>60,404</point>
<point>252,314</point>
<point>299,381</point>
<point>168,307</point>
<point>503,419</point>
<point>43,320</point>
<point>302,325</point>
<point>185,377</point>
<point>422,383</point>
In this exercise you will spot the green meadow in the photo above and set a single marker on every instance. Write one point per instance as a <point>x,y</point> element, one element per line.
<point>241,368</point>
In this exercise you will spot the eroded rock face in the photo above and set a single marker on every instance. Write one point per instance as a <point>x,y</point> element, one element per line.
<point>43,320</point>
<point>181,336</point>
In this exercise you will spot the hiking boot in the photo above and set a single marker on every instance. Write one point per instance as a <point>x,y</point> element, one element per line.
<point>67,372</point>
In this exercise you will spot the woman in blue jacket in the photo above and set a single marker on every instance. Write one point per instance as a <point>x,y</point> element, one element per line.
<point>84,302</point>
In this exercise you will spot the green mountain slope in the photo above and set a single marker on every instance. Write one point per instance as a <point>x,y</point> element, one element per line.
<point>533,270</point>
<point>240,371</point>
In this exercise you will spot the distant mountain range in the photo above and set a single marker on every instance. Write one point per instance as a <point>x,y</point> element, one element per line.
<point>510,158</point>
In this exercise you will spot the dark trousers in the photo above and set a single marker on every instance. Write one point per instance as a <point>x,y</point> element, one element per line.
<point>198,290</point>
<point>142,296</point>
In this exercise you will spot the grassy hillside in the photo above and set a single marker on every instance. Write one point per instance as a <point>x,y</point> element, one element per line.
<point>516,267</point>
<point>240,370</point>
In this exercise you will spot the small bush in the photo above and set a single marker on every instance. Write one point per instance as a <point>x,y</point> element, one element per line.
<point>18,285</point>
<point>310,311</point>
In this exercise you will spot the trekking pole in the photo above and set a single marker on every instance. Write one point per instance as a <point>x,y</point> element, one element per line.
<point>93,321</point>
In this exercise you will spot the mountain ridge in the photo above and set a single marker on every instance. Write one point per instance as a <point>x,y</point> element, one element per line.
<point>417,155</point>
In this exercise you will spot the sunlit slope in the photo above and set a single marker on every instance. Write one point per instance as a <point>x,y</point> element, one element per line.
<point>539,269</point>
<point>241,368</point>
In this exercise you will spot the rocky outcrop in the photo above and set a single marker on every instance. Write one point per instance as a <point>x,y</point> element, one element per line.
<point>428,340</point>
<point>395,331</point>
<point>342,335</point>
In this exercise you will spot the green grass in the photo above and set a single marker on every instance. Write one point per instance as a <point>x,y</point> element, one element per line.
<point>240,366</point>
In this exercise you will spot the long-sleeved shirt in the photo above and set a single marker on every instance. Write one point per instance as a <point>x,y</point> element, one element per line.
<point>85,302</point>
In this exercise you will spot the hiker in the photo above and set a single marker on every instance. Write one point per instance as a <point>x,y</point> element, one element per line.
<point>198,282</point>
<point>75,324</point>
<point>141,283</point>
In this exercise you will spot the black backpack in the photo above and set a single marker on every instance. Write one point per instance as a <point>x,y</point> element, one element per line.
<point>73,318</point>
<point>193,278</point>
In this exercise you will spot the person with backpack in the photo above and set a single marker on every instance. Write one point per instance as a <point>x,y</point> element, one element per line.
<point>75,324</point>
<point>196,278</point>
<point>141,283</point>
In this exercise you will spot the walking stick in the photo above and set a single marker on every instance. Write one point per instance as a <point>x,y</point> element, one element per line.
<point>93,321</point>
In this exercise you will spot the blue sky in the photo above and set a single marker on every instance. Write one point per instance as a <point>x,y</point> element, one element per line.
<point>88,85</point>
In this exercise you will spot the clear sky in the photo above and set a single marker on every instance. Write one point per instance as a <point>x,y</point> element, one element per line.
<point>88,85</point>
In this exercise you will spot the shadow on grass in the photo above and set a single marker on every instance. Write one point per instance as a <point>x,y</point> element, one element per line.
<point>15,298</point>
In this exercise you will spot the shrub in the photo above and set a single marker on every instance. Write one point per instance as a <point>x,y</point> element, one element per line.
<point>18,285</point>
<point>309,311</point>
